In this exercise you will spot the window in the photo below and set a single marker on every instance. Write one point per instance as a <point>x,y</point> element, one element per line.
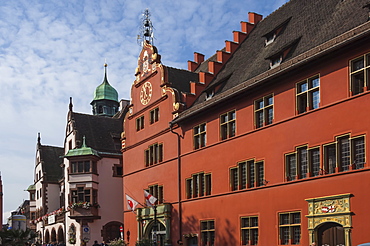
<point>345,154</point>
<point>360,74</point>
<point>117,170</point>
<point>249,230</point>
<point>33,215</point>
<point>290,228</point>
<point>227,125</point>
<point>263,111</point>
<point>32,196</point>
<point>308,94</point>
<point>210,94</point>
<point>83,167</point>
<point>314,162</point>
<point>157,192</point>
<point>154,115</point>
<point>358,152</point>
<point>140,123</point>
<point>199,136</point>
<point>247,174</point>
<point>303,163</point>
<point>207,231</point>
<point>270,37</point>
<point>198,185</point>
<point>275,61</point>
<point>154,154</point>
<point>82,194</point>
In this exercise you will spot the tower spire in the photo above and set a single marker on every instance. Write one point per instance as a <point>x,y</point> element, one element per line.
<point>70,104</point>
<point>38,140</point>
<point>105,71</point>
<point>146,30</point>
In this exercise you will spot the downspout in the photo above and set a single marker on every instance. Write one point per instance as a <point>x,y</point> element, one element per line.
<point>179,242</point>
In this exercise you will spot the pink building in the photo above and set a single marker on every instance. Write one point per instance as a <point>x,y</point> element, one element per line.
<point>78,187</point>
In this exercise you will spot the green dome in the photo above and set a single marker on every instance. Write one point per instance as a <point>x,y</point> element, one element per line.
<point>105,91</point>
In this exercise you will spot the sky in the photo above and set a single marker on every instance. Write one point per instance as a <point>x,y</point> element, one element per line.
<point>53,50</point>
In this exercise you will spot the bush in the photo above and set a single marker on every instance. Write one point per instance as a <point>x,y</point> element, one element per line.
<point>117,242</point>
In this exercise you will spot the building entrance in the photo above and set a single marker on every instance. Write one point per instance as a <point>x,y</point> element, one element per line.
<point>331,234</point>
<point>160,232</point>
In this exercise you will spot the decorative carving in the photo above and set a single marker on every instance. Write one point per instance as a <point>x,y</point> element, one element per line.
<point>329,209</point>
<point>146,93</point>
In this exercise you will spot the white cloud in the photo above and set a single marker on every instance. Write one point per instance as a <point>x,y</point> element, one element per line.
<point>51,50</point>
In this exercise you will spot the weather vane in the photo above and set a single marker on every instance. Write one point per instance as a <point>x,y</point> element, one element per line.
<point>146,29</point>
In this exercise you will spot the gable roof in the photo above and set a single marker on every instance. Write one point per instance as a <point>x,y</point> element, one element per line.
<point>102,133</point>
<point>308,24</point>
<point>50,157</point>
<point>179,78</point>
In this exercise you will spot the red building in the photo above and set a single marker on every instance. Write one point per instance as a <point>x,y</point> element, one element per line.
<point>264,143</point>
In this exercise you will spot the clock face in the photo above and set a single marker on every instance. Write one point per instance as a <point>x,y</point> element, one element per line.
<point>146,93</point>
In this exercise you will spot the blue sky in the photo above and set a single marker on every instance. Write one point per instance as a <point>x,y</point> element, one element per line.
<point>53,50</point>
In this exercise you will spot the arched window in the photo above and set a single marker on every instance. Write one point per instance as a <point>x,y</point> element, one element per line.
<point>60,235</point>
<point>47,237</point>
<point>53,236</point>
<point>111,231</point>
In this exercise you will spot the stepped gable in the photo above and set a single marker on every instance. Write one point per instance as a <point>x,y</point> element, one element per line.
<point>50,157</point>
<point>179,78</point>
<point>302,26</point>
<point>102,133</point>
<point>203,67</point>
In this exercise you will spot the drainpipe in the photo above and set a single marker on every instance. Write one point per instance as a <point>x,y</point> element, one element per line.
<point>179,242</point>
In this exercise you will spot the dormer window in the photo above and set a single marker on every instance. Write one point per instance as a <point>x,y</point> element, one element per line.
<point>210,94</point>
<point>272,35</point>
<point>270,38</point>
<point>276,61</point>
<point>284,53</point>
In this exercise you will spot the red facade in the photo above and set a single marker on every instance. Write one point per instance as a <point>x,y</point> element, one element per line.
<point>276,158</point>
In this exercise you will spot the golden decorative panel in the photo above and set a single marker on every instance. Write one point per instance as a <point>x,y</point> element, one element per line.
<point>334,208</point>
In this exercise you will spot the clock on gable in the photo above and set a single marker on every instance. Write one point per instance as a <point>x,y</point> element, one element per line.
<point>146,93</point>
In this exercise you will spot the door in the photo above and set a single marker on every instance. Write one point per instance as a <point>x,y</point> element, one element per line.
<point>330,234</point>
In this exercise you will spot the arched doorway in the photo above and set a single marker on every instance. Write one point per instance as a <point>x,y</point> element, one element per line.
<point>331,234</point>
<point>47,237</point>
<point>53,236</point>
<point>60,235</point>
<point>160,232</point>
<point>111,231</point>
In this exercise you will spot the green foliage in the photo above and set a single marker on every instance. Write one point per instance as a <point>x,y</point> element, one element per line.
<point>117,242</point>
<point>16,237</point>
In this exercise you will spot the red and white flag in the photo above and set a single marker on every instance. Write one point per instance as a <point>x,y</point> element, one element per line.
<point>131,203</point>
<point>150,200</point>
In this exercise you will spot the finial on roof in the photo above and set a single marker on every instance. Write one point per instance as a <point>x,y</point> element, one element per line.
<point>84,142</point>
<point>70,104</point>
<point>38,139</point>
<point>146,30</point>
<point>105,72</point>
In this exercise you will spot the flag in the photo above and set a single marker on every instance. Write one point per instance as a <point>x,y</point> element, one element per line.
<point>131,203</point>
<point>150,200</point>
